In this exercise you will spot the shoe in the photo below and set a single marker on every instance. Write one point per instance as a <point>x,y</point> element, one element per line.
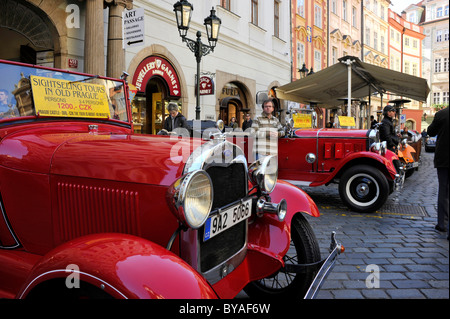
<point>438,228</point>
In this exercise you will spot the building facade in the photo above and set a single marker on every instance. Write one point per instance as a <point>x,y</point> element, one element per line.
<point>309,35</point>
<point>252,54</point>
<point>344,29</point>
<point>433,17</point>
<point>405,55</point>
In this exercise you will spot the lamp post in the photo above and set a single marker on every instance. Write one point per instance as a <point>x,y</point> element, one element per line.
<point>183,12</point>
<point>303,71</point>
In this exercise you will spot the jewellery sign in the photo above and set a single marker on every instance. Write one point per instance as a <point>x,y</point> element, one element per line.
<point>206,85</point>
<point>55,97</point>
<point>156,66</point>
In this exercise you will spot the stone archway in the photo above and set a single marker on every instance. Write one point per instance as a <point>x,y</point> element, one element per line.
<point>41,23</point>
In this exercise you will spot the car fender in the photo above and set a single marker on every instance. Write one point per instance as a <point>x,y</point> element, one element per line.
<point>277,234</point>
<point>385,161</point>
<point>123,266</point>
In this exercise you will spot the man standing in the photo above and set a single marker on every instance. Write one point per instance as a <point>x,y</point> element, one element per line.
<point>267,130</point>
<point>247,122</point>
<point>175,120</point>
<point>439,128</point>
<point>387,130</point>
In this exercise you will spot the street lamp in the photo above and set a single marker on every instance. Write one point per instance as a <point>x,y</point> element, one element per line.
<point>183,12</point>
<point>303,71</point>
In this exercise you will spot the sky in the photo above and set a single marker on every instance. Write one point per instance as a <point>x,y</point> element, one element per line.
<point>399,5</point>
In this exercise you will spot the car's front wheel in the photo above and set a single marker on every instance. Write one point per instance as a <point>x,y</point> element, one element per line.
<point>304,249</point>
<point>363,188</point>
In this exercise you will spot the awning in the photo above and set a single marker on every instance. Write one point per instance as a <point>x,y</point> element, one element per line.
<point>331,84</point>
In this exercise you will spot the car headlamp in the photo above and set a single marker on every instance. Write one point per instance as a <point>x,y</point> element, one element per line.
<point>264,173</point>
<point>191,198</point>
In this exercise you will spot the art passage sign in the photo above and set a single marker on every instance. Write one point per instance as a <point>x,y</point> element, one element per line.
<point>56,97</point>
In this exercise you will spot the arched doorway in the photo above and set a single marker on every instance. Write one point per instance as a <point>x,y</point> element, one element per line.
<point>232,103</point>
<point>157,84</point>
<point>32,42</point>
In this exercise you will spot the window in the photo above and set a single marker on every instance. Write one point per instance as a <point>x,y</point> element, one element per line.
<point>226,4</point>
<point>301,7</point>
<point>445,65</point>
<point>438,35</point>
<point>255,12</point>
<point>375,41</point>
<point>415,44</point>
<point>445,97</point>
<point>344,10</point>
<point>407,41</point>
<point>300,54</point>
<point>446,12</point>
<point>382,12</point>
<point>436,97</point>
<point>318,16</point>
<point>437,65</point>
<point>406,67</point>
<point>412,17</point>
<point>382,44</point>
<point>276,18</point>
<point>375,7</point>
<point>354,16</point>
<point>446,35</point>
<point>439,12</point>
<point>333,6</point>
<point>367,39</point>
<point>334,54</point>
<point>368,4</point>
<point>414,69</point>
<point>317,60</point>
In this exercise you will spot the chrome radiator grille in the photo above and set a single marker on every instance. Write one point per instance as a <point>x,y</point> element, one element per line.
<point>230,184</point>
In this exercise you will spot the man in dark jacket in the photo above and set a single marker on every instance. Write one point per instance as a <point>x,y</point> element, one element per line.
<point>439,128</point>
<point>247,122</point>
<point>175,119</point>
<point>387,130</point>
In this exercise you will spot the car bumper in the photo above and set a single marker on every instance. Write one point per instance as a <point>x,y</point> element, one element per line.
<point>399,179</point>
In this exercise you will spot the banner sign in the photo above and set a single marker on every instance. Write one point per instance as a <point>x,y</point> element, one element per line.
<point>55,97</point>
<point>302,120</point>
<point>157,66</point>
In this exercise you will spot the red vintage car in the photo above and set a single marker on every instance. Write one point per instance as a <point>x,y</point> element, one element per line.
<point>355,159</point>
<point>91,210</point>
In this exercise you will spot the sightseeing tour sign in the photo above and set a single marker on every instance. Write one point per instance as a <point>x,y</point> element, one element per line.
<point>56,97</point>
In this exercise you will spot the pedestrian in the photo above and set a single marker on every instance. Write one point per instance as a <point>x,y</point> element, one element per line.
<point>233,123</point>
<point>387,130</point>
<point>439,128</point>
<point>267,130</point>
<point>373,122</point>
<point>175,120</point>
<point>247,122</point>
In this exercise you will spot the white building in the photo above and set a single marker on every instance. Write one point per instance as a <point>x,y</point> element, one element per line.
<point>252,55</point>
<point>433,16</point>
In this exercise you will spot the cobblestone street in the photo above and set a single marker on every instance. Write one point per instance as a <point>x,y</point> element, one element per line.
<point>399,241</point>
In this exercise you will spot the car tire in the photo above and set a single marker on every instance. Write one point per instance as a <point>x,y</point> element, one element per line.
<point>304,249</point>
<point>363,188</point>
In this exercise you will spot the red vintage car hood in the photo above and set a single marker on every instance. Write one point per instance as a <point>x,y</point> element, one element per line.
<point>333,132</point>
<point>120,157</point>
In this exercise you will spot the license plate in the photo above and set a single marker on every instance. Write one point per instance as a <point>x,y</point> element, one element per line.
<point>227,218</point>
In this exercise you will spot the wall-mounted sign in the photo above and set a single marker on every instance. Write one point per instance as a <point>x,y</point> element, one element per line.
<point>206,85</point>
<point>73,63</point>
<point>157,66</point>
<point>308,34</point>
<point>133,27</point>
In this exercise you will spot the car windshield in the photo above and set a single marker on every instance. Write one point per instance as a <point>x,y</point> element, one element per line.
<point>28,91</point>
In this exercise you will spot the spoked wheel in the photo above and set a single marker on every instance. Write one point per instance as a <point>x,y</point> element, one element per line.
<point>363,188</point>
<point>304,249</point>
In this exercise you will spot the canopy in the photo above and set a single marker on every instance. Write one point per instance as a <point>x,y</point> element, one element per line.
<point>331,84</point>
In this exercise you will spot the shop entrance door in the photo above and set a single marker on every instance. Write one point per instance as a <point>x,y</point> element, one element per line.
<point>157,112</point>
